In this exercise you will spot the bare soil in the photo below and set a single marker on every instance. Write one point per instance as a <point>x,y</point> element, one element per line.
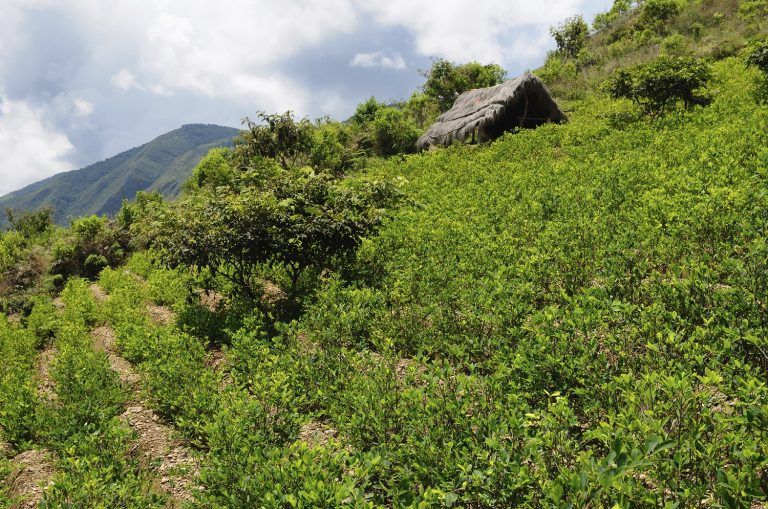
<point>45,383</point>
<point>175,465</point>
<point>104,339</point>
<point>161,314</point>
<point>32,474</point>
<point>98,293</point>
<point>316,433</point>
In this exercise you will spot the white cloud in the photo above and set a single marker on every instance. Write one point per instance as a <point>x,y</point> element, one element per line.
<point>229,52</point>
<point>458,31</point>
<point>379,59</point>
<point>125,80</point>
<point>83,108</point>
<point>31,148</point>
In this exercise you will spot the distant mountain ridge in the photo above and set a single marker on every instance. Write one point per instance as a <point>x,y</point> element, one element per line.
<point>162,165</point>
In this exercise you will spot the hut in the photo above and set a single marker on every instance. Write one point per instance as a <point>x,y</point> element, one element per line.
<point>487,113</point>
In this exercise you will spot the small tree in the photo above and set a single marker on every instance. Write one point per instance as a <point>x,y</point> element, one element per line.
<point>446,80</point>
<point>278,137</point>
<point>268,217</point>
<point>366,111</point>
<point>570,36</point>
<point>618,9</point>
<point>31,224</point>
<point>657,12</point>
<point>758,57</point>
<point>394,133</point>
<point>659,85</point>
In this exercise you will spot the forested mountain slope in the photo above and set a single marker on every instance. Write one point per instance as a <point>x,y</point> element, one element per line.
<point>161,165</point>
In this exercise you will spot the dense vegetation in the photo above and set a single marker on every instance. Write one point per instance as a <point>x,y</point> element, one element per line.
<point>572,316</point>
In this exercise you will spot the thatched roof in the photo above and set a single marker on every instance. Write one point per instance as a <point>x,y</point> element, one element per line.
<point>490,112</point>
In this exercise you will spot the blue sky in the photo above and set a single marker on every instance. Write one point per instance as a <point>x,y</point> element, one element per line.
<point>81,80</point>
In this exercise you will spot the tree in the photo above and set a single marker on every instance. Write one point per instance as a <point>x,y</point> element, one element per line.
<point>570,36</point>
<point>618,9</point>
<point>445,81</point>
<point>366,111</point>
<point>32,223</point>
<point>278,137</point>
<point>267,216</point>
<point>394,132</point>
<point>655,13</point>
<point>758,56</point>
<point>659,85</point>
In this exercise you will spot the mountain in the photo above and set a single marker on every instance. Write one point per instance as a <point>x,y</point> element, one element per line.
<point>161,165</point>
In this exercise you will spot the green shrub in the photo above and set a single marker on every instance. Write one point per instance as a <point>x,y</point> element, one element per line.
<point>277,137</point>
<point>606,19</point>
<point>570,36</point>
<point>758,56</point>
<point>445,81</point>
<point>394,133</point>
<point>659,85</point>
<point>90,244</point>
<point>656,13</point>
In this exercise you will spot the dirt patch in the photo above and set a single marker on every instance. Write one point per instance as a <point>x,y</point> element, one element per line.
<point>161,314</point>
<point>104,340</point>
<point>307,346</point>
<point>45,384</point>
<point>211,300</point>
<point>30,477</point>
<point>98,293</point>
<point>58,303</point>
<point>175,465</point>
<point>136,277</point>
<point>272,294</point>
<point>216,359</point>
<point>317,433</point>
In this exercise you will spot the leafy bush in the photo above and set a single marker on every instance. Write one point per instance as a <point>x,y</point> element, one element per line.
<point>570,36</point>
<point>604,20</point>
<point>290,219</point>
<point>758,56</point>
<point>394,133</point>
<point>277,137</point>
<point>31,224</point>
<point>445,81</point>
<point>656,13</point>
<point>90,244</point>
<point>659,85</point>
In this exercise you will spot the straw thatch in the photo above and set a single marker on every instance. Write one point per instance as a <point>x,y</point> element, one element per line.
<point>487,113</point>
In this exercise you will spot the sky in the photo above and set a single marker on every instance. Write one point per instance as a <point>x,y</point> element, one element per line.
<point>82,80</point>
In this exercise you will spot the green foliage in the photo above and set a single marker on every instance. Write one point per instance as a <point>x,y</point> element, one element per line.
<point>366,111</point>
<point>90,244</point>
<point>654,14</point>
<point>445,81</point>
<point>570,36</point>
<point>394,132</point>
<point>658,86</point>
<point>758,56</point>
<point>277,137</point>
<point>31,224</point>
<point>18,397</point>
<point>332,148</point>
<point>291,219</point>
<point>604,20</point>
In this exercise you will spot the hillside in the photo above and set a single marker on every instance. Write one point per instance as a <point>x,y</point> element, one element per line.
<point>161,165</point>
<point>573,316</point>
